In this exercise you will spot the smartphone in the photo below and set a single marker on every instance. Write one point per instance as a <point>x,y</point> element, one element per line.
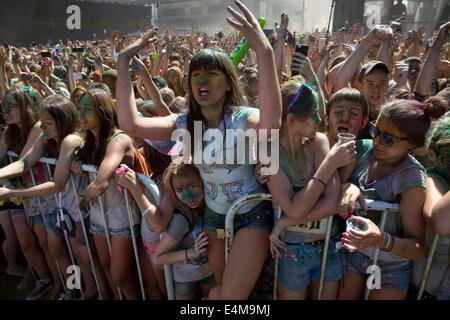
<point>303,49</point>
<point>46,54</point>
<point>77,76</point>
<point>77,49</point>
<point>410,34</point>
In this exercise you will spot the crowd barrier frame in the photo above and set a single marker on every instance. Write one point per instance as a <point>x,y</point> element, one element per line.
<point>383,207</point>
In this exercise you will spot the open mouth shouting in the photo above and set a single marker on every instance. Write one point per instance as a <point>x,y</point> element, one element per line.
<point>203,92</point>
<point>343,129</point>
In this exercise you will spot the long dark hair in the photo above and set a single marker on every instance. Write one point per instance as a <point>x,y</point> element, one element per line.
<point>211,59</point>
<point>64,113</point>
<point>105,109</point>
<point>15,136</point>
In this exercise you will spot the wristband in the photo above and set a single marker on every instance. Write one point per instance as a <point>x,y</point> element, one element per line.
<point>150,207</point>
<point>388,242</point>
<point>392,245</point>
<point>317,179</point>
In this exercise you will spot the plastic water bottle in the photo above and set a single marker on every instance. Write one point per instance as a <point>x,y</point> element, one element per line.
<point>243,46</point>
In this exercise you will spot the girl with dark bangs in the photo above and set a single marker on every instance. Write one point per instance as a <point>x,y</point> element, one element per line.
<point>59,139</point>
<point>21,132</point>
<point>214,95</point>
<point>107,147</point>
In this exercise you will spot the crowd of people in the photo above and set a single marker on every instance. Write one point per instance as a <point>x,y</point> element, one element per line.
<point>116,104</point>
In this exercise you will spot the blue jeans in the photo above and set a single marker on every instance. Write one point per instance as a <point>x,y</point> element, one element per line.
<point>121,233</point>
<point>303,262</point>
<point>260,216</point>
<point>187,289</point>
<point>394,274</point>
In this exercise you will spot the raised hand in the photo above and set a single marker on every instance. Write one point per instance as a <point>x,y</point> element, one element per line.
<point>281,29</point>
<point>379,34</point>
<point>401,74</point>
<point>302,65</point>
<point>130,51</point>
<point>249,26</point>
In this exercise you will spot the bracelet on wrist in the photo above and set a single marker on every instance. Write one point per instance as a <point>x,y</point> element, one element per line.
<point>149,208</point>
<point>187,259</point>
<point>317,179</point>
<point>392,244</point>
<point>385,248</point>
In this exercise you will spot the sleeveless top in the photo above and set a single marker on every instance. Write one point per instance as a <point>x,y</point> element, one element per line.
<point>225,182</point>
<point>115,207</point>
<point>309,230</point>
<point>408,173</point>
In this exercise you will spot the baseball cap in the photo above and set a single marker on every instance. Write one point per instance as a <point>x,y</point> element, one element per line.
<point>367,68</point>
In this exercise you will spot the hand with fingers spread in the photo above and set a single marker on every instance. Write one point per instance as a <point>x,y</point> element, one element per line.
<point>201,245</point>
<point>249,26</point>
<point>358,240</point>
<point>444,33</point>
<point>281,29</point>
<point>131,50</point>
<point>277,232</point>
<point>350,193</point>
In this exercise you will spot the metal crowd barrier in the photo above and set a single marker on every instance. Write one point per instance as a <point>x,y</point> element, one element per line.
<point>229,234</point>
<point>153,191</point>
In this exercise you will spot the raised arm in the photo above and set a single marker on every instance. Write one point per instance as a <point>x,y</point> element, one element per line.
<point>151,88</point>
<point>127,115</point>
<point>376,36</point>
<point>426,75</point>
<point>279,46</point>
<point>269,89</point>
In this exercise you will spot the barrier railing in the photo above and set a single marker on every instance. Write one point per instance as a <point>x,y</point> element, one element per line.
<point>153,191</point>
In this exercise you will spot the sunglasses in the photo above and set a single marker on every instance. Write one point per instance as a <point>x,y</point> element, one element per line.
<point>386,139</point>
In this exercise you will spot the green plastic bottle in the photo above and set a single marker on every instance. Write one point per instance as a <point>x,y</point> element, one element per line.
<point>241,49</point>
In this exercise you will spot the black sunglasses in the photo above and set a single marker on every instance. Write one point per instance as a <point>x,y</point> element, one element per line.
<point>386,139</point>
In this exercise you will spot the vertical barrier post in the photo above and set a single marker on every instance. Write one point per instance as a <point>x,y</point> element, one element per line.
<point>324,257</point>
<point>63,282</point>
<point>154,190</point>
<point>108,239</point>
<point>133,237</point>
<point>60,213</point>
<point>377,250</point>
<point>86,238</point>
<point>428,266</point>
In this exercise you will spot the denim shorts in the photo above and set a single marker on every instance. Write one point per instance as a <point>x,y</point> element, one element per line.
<point>303,262</point>
<point>187,289</point>
<point>260,216</point>
<point>121,233</point>
<point>394,274</point>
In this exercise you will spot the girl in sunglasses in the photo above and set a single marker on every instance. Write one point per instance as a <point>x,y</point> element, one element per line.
<point>386,171</point>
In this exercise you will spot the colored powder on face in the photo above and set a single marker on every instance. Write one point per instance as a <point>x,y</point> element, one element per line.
<point>189,194</point>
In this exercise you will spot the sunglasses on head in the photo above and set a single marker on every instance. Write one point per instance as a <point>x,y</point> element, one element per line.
<point>386,139</point>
